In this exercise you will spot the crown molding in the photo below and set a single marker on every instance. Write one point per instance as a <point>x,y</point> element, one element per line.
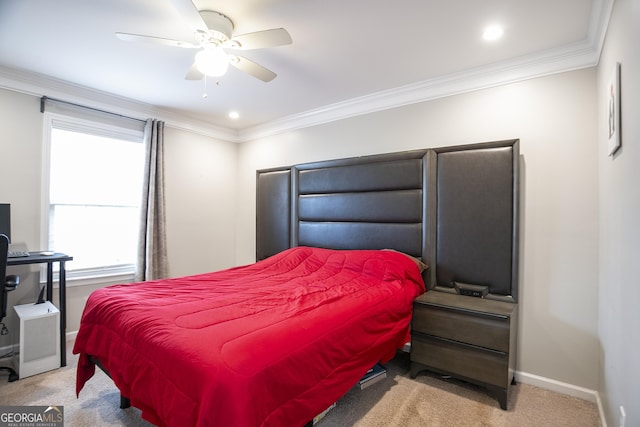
<point>599,22</point>
<point>570,57</point>
<point>40,85</point>
<point>567,58</point>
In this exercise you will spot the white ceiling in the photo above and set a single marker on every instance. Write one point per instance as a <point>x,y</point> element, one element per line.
<point>347,57</point>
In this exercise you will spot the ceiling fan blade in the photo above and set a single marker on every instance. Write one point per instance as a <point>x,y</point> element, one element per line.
<point>251,68</point>
<point>261,39</point>
<point>194,73</point>
<point>190,14</point>
<point>154,40</point>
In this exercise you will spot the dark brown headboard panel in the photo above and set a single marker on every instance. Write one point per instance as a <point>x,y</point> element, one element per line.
<point>454,207</point>
<point>371,202</point>
<point>273,208</point>
<point>476,215</point>
<point>365,203</point>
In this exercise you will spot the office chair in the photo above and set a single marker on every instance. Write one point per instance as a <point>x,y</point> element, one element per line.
<point>8,284</point>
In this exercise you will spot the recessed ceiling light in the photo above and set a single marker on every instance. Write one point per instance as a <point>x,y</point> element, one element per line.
<point>234,115</point>
<point>492,32</point>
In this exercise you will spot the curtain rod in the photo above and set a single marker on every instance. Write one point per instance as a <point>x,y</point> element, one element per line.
<point>44,99</point>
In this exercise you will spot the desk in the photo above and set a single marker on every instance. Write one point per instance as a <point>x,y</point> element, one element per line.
<point>38,258</point>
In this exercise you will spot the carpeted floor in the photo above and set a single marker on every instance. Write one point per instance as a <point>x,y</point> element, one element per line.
<point>397,401</point>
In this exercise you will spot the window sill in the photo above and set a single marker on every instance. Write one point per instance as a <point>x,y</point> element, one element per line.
<point>106,279</point>
<point>108,276</point>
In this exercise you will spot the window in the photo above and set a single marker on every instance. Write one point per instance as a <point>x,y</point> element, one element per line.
<point>94,192</point>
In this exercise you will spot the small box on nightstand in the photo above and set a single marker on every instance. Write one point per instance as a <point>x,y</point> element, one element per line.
<point>39,338</point>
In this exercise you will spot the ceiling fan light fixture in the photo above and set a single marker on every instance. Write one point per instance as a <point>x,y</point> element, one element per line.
<point>212,61</point>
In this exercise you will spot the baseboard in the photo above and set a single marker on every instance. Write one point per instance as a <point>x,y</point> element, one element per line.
<point>557,386</point>
<point>11,348</point>
<point>603,419</point>
<point>71,336</point>
<point>563,388</point>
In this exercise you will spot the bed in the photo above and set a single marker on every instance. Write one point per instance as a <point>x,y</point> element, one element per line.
<point>342,249</point>
<point>272,343</point>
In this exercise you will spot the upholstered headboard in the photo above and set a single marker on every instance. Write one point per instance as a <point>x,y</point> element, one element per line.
<point>454,207</point>
<point>476,217</point>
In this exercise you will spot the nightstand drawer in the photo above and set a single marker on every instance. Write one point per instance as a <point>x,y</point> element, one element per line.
<point>489,331</point>
<point>462,360</point>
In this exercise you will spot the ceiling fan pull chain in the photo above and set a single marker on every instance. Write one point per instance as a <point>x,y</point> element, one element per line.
<point>204,95</point>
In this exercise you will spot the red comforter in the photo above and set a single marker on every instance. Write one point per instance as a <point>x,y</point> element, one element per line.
<point>273,343</point>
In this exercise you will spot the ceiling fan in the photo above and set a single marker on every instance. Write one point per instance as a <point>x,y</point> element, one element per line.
<point>213,34</point>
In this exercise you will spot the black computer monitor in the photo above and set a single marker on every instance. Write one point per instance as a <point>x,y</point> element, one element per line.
<point>5,220</point>
<point>4,247</point>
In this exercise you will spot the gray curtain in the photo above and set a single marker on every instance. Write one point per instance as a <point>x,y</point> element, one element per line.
<point>152,243</point>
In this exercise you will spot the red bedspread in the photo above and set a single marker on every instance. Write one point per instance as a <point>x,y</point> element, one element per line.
<point>273,343</point>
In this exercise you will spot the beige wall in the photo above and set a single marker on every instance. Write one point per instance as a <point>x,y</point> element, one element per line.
<point>200,193</point>
<point>619,317</point>
<point>201,202</point>
<point>555,119</point>
<point>20,177</point>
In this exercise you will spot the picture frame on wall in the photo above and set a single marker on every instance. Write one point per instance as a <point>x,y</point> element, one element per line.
<point>613,125</point>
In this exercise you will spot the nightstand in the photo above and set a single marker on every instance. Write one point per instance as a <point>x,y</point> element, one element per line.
<point>473,339</point>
